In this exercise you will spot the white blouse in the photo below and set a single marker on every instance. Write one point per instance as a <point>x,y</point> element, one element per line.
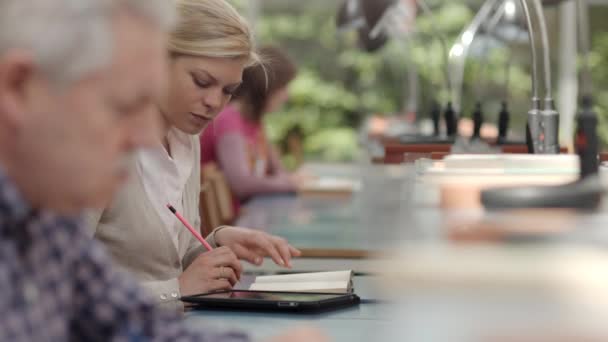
<point>165,176</point>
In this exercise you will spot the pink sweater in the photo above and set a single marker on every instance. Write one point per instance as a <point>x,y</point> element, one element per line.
<point>240,148</point>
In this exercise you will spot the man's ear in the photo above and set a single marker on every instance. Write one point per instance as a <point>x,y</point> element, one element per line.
<point>16,73</point>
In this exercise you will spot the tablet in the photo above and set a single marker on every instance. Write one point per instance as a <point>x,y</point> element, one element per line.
<point>271,301</point>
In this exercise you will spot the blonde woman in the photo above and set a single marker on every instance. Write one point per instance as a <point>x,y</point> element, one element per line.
<point>209,50</point>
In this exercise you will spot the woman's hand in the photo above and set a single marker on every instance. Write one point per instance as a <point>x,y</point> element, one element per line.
<point>252,245</point>
<point>216,270</point>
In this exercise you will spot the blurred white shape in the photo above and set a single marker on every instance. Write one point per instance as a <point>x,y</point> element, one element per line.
<point>470,292</point>
<point>467,37</point>
<point>456,50</point>
<point>510,9</point>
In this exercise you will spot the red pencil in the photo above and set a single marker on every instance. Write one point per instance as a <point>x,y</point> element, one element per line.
<point>196,234</point>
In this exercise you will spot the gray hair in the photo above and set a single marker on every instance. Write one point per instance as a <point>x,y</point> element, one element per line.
<point>69,38</point>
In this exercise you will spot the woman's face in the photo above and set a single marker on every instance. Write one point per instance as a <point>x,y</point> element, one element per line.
<point>199,88</point>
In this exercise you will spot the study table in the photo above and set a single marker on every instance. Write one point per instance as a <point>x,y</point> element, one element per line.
<point>394,205</point>
<point>395,208</point>
<point>467,304</point>
<point>334,232</point>
<point>349,228</point>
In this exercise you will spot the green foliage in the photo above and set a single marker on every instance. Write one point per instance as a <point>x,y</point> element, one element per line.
<point>451,16</point>
<point>339,85</point>
<point>319,109</point>
<point>599,61</point>
<point>333,144</point>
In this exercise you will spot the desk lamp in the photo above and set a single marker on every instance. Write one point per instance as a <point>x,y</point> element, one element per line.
<point>584,193</point>
<point>549,116</point>
<point>490,11</point>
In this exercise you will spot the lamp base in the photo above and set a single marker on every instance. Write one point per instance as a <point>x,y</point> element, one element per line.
<point>583,194</point>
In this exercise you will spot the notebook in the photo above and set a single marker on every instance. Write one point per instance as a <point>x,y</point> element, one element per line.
<point>326,282</point>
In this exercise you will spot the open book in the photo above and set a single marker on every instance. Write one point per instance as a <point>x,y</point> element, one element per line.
<point>333,282</point>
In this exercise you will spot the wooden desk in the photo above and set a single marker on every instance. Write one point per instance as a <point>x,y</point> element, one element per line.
<point>405,153</point>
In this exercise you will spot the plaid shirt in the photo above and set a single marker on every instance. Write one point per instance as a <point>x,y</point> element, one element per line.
<point>56,284</point>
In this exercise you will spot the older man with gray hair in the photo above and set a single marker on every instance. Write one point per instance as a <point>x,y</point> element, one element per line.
<point>78,81</point>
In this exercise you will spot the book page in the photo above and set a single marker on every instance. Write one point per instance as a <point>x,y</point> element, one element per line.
<point>317,286</point>
<point>344,276</point>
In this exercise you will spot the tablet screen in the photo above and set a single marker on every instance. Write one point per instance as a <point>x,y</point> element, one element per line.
<point>273,296</point>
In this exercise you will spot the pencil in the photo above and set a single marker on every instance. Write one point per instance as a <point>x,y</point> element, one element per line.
<point>196,234</point>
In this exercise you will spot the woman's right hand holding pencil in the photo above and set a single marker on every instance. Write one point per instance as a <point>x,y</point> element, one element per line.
<point>215,270</point>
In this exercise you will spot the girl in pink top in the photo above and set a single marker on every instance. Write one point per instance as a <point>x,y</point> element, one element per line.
<point>236,141</point>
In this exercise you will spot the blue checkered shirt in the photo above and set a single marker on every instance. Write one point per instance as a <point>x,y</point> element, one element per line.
<point>56,284</point>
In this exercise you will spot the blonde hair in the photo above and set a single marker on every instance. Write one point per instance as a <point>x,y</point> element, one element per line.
<point>214,29</point>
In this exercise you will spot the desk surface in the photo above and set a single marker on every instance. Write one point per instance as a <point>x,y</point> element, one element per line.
<point>352,225</point>
<point>393,206</point>
<point>391,209</point>
<point>360,323</point>
<point>308,222</point>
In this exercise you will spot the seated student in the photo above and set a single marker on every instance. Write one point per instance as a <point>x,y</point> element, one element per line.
<point>236,141</point>
<point>209,50</point>
<point>77,81</point>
